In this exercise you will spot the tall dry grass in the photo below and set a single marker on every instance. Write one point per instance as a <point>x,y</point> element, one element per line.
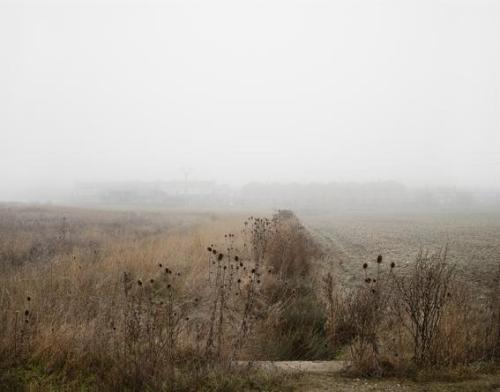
<point>137,306</point>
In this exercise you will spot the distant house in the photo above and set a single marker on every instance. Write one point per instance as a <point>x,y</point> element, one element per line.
<point>158,192</point>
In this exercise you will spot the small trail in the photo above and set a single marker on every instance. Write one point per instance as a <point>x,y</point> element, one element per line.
<point>336,383</point>
<point>324,376</point>
<point>293,367</point>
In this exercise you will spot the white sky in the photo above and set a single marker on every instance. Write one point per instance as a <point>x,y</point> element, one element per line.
<point>273,90</point>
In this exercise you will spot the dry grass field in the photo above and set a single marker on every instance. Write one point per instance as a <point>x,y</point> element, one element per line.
<point>143,300</point>
<point>168,301</point>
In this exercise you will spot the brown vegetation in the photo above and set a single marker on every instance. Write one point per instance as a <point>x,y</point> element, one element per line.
<point>121,301</point>
<point>406,320</point>
<point>164,310</point>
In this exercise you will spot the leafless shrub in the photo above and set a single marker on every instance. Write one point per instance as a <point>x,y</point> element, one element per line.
<point>420,297</point>
<point>423,316</point>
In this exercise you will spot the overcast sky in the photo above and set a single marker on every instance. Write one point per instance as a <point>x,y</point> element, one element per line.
<point>237,91</point>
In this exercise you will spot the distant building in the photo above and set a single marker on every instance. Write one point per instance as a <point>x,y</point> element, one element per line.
<point>158,192</point>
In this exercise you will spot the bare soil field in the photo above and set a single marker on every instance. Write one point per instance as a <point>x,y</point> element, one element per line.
<point>472,239</point>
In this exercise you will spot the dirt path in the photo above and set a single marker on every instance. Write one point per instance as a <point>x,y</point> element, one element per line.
<point>337,383</point>
<point>294,367</point>
<point>323,376</point>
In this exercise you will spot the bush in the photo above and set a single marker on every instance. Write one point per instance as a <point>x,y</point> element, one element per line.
<point>419,302</point>
<point>406,321</point>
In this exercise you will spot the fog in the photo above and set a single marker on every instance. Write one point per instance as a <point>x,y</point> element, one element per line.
<point>257,91</point>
